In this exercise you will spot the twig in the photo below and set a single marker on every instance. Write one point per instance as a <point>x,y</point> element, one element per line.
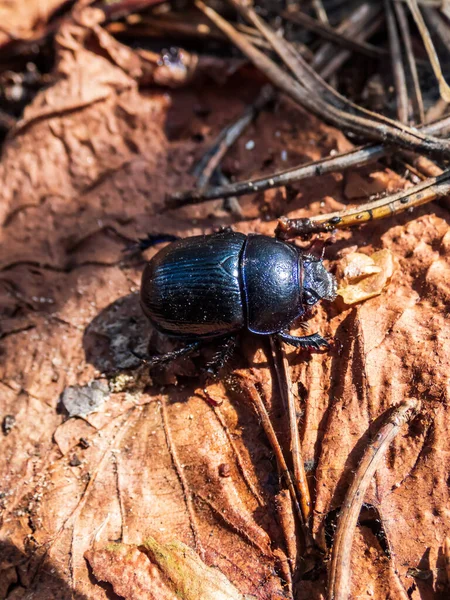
<point>426,191</point>
<point>184,26</point>
<point>397,65</point>
<point>285,386</point>
<point>334,36</point>
<point>337,60</point>
<point>315,95</point>
<point>312,92</point>
<point>425,166</point>
<point>339,571</point>
<point>444,88</point>
<point>350,27</point>
<point>436,111</point>
<point>320,11</point>
<point>228,136</point>
<point>330,164</point>
<point>406,36</point>
<point>266,423</point>
<point>121,8</point>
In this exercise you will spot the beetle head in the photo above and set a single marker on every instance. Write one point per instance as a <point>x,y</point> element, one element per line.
<point>317,282</point>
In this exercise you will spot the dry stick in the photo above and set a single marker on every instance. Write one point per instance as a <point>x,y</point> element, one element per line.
<point>339,572</point>
<point>444,88</point>
<point>436,111</point>
<point>357,157</point>
<point>333,35</point>
<point>285,386</point>
<point>320,11</point>
<point>312,92</point>
<point>350,27</point>
<point>424,166</point>
<point>228,136</point>
<point>406,36</point>
<point>337,60</point>
<point>397,65</point>
<point>426,191</point>
<point>167,25</point>
<point>266,423</point>
<point>332,107</point>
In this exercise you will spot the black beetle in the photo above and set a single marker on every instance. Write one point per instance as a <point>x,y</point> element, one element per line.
<point>215,285</point>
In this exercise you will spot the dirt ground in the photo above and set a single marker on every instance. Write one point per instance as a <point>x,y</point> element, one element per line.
<point>90,165</point>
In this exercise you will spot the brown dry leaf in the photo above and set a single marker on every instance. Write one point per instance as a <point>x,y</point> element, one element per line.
<point>362,276</point>
<point>19,20</point>
<point>92,163</point>
<point>159,572</point>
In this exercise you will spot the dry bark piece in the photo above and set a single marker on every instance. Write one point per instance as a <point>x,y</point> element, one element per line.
<point>363,277</point>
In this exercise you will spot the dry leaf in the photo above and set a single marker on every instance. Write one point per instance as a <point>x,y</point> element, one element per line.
<point>19,19</point>
<point>159,572</point>
<point>92,162</point>
<point>363,276</point>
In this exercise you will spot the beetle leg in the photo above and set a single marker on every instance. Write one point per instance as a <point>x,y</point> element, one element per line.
<point>158,359</point>
<point>315,340</point>
<point>221,357</point>
<point>150,240</point>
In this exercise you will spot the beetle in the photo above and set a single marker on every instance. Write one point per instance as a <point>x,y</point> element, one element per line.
<point>214,286</point>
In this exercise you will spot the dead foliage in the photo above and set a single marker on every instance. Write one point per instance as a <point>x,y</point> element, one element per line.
<point>164,491</point>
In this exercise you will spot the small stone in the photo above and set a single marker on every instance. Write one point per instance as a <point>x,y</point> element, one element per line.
<point>84,443</point>
<point>80,401</point>
<point>8,423</point>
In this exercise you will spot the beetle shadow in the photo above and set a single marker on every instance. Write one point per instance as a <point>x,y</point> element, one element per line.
<point>120,333</point>
<point>111,336</point>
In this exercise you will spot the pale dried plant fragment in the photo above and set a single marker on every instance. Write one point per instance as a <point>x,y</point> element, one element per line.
<point>364,276</point>
<point>160,571</point>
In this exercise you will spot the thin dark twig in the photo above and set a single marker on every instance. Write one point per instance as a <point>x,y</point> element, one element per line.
<point>314,94</point>
<point>337,60</point>
<point>405,32</point>
<point>339,571</point>
<point>285,386</point>
<point>266,423</point>
<point>228,136</point>
<point>333,35</point>
<point>444,88</point>
<point>320,11</point>
<point>397,65</point>
<point>121,8</point>
<point>350,27</point>
<point>330,164</point>
<point>183,25</point>
<point>439,24</point>
<point>422,193</point>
